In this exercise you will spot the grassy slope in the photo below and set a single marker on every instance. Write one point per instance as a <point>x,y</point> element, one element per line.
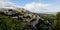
<point>6,23</point>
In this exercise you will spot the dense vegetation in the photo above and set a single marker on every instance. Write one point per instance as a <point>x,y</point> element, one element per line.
<point>54,19</point>
<point>8,23</point>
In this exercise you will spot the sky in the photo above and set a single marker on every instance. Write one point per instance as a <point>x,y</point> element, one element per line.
<point>38,6</point>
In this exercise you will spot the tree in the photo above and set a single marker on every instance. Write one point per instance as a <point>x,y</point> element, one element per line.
<point>58,15</point>
<point>58,21</point>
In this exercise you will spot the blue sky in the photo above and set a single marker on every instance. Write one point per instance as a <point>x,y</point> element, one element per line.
<point>23,2</point>
<point>35,5</point>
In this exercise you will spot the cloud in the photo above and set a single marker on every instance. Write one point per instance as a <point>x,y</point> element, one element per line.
<point>37,7</point>
<point>7,4</point>
<point>33,7</point>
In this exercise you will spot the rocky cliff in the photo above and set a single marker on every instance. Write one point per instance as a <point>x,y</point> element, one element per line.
<point>23,16</point>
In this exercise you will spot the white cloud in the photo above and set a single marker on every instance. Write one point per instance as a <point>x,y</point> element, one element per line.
<point>37,7</point>
<point>6,4</point>
<point>33,7</point>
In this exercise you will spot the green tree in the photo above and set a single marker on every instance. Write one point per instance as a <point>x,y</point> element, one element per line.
<point>58,21</point>
<point>58,15</point>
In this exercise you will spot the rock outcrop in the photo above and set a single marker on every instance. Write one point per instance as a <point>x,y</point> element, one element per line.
<point>23,15</point>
